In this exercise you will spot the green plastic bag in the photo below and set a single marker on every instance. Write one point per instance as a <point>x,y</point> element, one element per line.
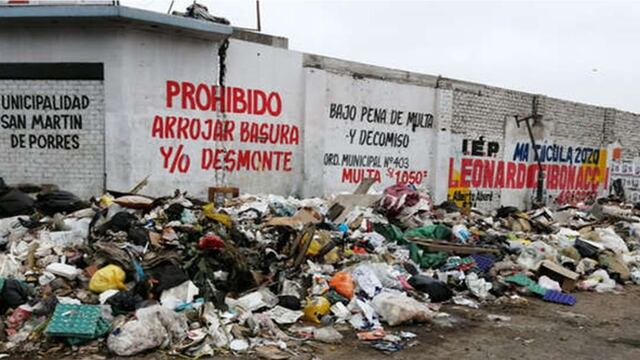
<point>434,231</point>
<point>417,255</point>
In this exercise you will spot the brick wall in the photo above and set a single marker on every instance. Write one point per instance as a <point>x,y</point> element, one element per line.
<point>70,156</point>
<point>482,111</point>
<point>624,128</point>
<point>574,123</point>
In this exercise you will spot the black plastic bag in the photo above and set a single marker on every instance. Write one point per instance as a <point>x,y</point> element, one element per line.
<point>14,203</point>
<point>14,293</point>
<point>122,221</point>
<point>138,235</point>
<point>166,275</point>
<point>59,202</point>
<point>124,302</point>
<point>289,301</point>
<point>586,250</point>
<point>436,289</point>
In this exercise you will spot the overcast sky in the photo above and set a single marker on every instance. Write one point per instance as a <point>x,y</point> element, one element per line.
<point>582,51</point>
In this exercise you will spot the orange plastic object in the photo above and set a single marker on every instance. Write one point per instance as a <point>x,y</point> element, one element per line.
<point>343,283</point>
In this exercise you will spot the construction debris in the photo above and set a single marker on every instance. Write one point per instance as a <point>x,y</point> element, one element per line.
<point>264,275</point>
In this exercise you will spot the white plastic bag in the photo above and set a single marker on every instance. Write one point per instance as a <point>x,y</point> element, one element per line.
<point>397,308</point>
<point>366,280</point>
<point>156,326</point>
<point>214,327</point>
<point>610,240</point>
<point>479,287</point>
<point>549,284</point>
<point>10,267</point>
<point>327,334</point>
<point>179,295</point>
<point>11,230</point>
<point>598,281</point>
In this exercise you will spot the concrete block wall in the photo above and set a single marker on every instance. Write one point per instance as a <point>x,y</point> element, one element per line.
<point>480,110</point>
<point>75,167</point>
<point>577,123</point>
<point>622,126</point>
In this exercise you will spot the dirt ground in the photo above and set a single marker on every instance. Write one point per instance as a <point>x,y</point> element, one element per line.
<point>599,326</point>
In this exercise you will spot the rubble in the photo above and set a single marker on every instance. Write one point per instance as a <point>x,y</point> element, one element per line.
<point>265,274</point>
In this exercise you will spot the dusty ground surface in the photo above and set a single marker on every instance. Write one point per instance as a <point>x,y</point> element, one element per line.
<point>599,326</point>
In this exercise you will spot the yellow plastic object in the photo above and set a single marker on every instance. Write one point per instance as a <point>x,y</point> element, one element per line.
<point>320,240</point>
<point>210,213</point>
<point>106,200</point>
<point>107,278</point>
<point>332,257</point>
<point>314,248</point>
<point>316,308</point>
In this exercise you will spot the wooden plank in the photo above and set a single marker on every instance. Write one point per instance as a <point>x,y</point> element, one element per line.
<point>435,246</point>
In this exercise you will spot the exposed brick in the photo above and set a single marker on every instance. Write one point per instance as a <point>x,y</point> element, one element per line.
<point>79,170</point>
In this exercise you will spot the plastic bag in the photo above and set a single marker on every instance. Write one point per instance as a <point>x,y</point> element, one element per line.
<point>210,213</point>
<point>107,278</point>
<point>316,308</point>
<point>327,335</point>
<point>253,301</point>
<point>11,230</point>
<point>437,232</point>
<point>610,240</point>
<point>598,281</point>
<point>13,293</point>
<point>461,232</point>
<point>387,275</point>
<point>549,284</point>
<point>15,202</point>
<point>342,282</point>
<point>397,308</point>
<point>635,276</point>
<point>367,280</point>
<point>478,286</point>
<point>179,295</point>
<point>437,290</point>
<point>10,267</point>
<point>155,326</point>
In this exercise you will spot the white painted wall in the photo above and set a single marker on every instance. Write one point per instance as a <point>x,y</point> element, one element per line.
<point>364,118</point>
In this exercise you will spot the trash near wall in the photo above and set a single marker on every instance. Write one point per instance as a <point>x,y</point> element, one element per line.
<point>627,173</point>
<point>371,129</point>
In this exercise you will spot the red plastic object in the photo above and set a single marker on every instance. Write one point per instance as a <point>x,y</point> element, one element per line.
<point>211,242</point>
<point>359,250</point>
<point>17,318</point>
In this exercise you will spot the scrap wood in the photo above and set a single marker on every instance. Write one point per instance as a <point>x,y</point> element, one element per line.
<point>435,246</point>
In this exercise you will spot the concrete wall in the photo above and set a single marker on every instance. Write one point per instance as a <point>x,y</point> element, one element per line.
<point>480,117</point>
<point>302,124</point>
<point>371,129</point>
<point>136,66</point>
<point>250,132</point>
<point>493,162</point>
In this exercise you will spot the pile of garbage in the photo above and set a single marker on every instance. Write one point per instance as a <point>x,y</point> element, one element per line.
<point>268,275</point>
